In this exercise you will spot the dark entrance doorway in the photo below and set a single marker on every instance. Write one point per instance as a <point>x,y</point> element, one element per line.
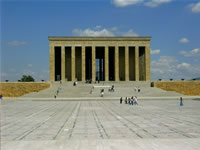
<point>57,63</point>
<point>88,63</point>
<point>111,63</point>
<point>100,69</point>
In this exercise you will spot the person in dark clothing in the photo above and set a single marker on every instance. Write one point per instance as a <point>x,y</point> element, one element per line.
<point>126,100</point>
<point>121,100</point>
<point>181,101</point>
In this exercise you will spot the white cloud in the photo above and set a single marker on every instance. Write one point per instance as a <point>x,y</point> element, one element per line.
<point>163,64</point>
<point>98,31</point>
<point>151,3</point>
<point>183,66</point>
<point>156,51</point>
<point>167,67</point>
<point>91,32</point>
<point>124,3</point>
<point>163,68</point>
<point>156,3</point>
<point>194,52</point>
<point>184,40</point>
<point>98,27</point>
<point>17,43</point>
<point>29,65</point>
<point>195,7</point>
<point>130,33</point>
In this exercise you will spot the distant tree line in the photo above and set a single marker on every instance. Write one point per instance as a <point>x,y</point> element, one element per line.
<point>27,78</point>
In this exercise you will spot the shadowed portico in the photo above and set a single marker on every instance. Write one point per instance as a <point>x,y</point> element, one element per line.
<point>99,58</point>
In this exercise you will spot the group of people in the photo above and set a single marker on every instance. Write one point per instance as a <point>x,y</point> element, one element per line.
<point>88,81</point>
<point>137,89</point>
<point>75,83</point>
<point>130,100</point>
<point>112,89</point>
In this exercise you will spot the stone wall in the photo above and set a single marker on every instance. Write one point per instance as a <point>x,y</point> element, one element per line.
<point>14,89</point>
<point>191,88</point>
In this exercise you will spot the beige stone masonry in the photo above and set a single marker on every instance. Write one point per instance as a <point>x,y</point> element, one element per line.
<point>147,63</point>
<point>83,62</point>
<point>126,63</point>
<point>106,64</point>
<point>73,63</point>
<point>136,63</point>
<point>51,63</point>
<point>93,42</point>
<point>15,89</point>
<point>93,64</point>
<point>116,63</point>
<point>191,88</point>
<point>63,63</point>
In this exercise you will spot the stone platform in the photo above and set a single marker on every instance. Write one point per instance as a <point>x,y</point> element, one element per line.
<point>104,125</point>
<point>83,90</point>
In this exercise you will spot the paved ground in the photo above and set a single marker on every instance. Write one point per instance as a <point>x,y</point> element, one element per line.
<point>153,124</point>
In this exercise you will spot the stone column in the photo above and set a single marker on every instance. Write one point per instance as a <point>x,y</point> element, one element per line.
<point>147,63</point>
<point>93,64</point>
<point>116,63</point>
<point>73,62</point>
<point>106,64</point>
<point>63,63</point>
<point>51,62</point>
<point>126,63</point>
<point>137,63</point>
<point>83,63</point>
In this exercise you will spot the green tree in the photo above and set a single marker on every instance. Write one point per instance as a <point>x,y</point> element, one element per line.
<point>27,78</point>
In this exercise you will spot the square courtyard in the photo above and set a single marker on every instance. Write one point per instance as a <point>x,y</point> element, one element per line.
<point>99,124</point>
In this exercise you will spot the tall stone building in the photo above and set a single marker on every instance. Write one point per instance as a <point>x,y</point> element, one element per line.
<point>99,58</point>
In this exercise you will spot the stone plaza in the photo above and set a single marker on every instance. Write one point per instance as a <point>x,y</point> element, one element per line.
<point>99,124</point>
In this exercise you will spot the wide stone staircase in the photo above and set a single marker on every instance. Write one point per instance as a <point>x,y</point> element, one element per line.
<point>122,89</point>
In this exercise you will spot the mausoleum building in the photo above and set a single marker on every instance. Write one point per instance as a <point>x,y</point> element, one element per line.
<point>99,58</point>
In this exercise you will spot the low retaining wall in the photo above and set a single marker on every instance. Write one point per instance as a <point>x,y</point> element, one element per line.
<point>14,89</point>
<point>191,88</point>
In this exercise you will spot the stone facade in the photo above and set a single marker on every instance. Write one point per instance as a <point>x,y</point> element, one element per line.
<point>185,87</point>
<point>99,58</point>
<point>14,89</point>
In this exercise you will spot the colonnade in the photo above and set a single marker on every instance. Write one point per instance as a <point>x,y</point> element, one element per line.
<point>138,75</point>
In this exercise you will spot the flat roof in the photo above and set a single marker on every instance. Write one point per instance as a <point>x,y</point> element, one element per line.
<point>90,38</point>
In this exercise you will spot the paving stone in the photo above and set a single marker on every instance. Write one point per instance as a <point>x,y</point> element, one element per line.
<point>110,125</point>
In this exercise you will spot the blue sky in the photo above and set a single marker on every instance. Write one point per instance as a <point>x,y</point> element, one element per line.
<point>174,26</point>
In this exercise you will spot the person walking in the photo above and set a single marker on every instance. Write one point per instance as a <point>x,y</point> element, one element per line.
<point>126,100</point>
<point>132,100</point>
<point>181,101</point>
<point>121,100</point>
<point>135,100</point>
